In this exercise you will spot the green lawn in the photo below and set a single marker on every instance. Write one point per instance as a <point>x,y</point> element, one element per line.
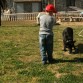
<point>20,60</point>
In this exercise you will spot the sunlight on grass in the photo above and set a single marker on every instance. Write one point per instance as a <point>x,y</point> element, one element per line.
<point>20,60</point>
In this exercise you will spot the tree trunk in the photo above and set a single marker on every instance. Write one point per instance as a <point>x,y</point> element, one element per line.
<point>0,15</point>
<point>48,1</point>
<point>54,3</point>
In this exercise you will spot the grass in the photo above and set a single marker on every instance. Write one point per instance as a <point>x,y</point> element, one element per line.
<point>20,60</point>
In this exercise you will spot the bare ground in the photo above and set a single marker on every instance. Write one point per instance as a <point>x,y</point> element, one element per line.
<point>25,23</point>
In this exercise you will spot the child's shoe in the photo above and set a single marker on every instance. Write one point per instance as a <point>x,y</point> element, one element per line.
<point>44,62</point>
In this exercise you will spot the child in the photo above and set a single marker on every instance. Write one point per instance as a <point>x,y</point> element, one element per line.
<point>38,17</point>
<point>46,35</point>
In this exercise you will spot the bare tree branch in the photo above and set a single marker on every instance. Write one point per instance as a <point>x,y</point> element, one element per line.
<point>3,5</point>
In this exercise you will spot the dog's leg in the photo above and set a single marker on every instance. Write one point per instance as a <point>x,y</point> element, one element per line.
<point>74,45</point>
<point>74,48</point>
<point>70,50</point>
<point>64,49</point>
<point>64,45</point>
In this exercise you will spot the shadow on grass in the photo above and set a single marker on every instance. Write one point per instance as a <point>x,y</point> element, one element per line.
<point>77,60</point>
<point>80,48</point>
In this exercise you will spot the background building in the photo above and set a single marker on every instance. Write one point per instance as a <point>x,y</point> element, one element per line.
<point>63,5</point>
<point>25,6</point>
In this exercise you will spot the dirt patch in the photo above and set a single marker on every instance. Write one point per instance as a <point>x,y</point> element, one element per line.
<point>66,53</point>
<point>32,22</point>
<point>59,75</point>
<point>71,23</point>
<point>26,59</point>
<point>18,23</point>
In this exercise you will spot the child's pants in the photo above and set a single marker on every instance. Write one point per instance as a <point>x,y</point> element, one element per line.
<point>46,46</point>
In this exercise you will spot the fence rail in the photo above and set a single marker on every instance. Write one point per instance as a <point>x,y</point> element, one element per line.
<point>63,17</point>
<point>70,17</point>
<point>19,16</point>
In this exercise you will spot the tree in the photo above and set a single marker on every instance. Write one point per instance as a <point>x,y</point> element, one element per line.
<point>3,6</point>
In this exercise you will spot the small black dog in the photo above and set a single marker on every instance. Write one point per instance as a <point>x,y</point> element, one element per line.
<point>68,39</point>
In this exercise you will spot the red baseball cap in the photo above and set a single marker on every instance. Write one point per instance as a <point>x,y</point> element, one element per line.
<point>50,8</point>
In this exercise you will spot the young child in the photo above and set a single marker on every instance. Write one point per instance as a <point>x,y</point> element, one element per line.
<point>46,34</point>
<point>38,17</point>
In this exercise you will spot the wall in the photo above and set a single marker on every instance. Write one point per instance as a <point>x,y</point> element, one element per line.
<point>60,5</point>
<point>25,7</point>
<point>19,8</point>
<point>79,3</point>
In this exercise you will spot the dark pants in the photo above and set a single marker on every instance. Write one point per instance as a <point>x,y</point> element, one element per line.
<point>46,46</point>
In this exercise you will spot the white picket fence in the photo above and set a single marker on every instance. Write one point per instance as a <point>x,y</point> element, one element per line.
<point>69,17</point>
<point>19,16</point>
<point>63,17</point>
